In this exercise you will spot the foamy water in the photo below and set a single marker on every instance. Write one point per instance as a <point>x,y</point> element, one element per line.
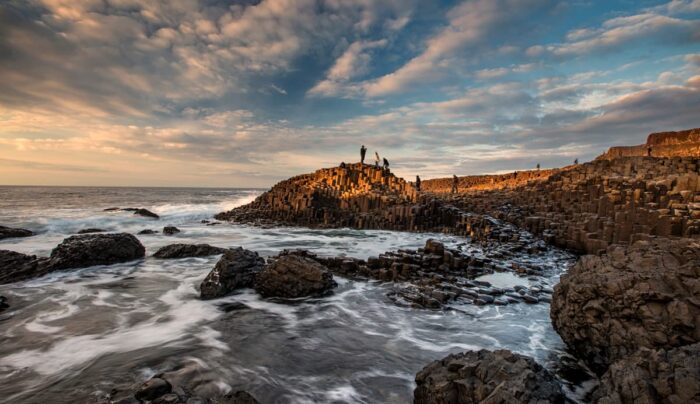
<point>73,335</point>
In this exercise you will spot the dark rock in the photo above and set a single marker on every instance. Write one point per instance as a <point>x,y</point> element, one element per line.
<point>145,213</point>
<point>239,397</point>
<point>90,230</point>
<point>8,232</point>
<point>152,389</point>
<point>148,231</point>
<point>641,296</point>
<point>434,247</point>
<point>187,250</point>
<point>170,398</point>
<point>15,267</point>
<point>96,249</point>
<point>3,303</point>
<point>294,276</point>
<point>170,230</point>
<point>653,376</point>
<point>486,377</point>
<point>530,299</point>
<point>236,269</point>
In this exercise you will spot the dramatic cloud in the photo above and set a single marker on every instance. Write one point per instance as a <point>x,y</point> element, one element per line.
<point>246,92</point>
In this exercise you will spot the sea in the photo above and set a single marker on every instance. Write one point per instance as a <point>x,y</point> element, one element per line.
<point>73,336</point>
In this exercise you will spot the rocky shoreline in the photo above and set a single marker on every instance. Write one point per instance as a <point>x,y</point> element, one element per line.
<point>629,307</point>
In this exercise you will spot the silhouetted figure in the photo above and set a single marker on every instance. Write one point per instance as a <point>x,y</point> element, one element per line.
<point>649,151</point>
<point>418,183</point>
<point>576,161</point>
<point>342,164</point>
<point>363,152</point>
<point>455,181</point>
<point>376,160</point>
<point>386,164</point>
<point>538,166</point>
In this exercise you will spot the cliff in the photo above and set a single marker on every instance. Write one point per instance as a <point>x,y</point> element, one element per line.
<point>485,182</point>
<point>684,143</point>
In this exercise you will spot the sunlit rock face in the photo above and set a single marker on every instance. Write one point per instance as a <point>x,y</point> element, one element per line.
<point>685,143</point>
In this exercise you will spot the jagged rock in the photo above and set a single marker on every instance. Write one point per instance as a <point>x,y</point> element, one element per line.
<point>147,231</point>
<point>90,230</point>
<point>170,230</point>
<point>486,377</point>
<point>653,376</point>
<point>152,389</point>
<point>640,296</point>
<point>187,250</point>
<point>15,267</point>
<point>235,269</point>
<point>292,276</point>
<point>8,232</point>
<point>95,249</point>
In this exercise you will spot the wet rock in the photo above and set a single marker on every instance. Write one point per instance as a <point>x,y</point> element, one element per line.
<point>235,269</point>
<point>434,247</point>
<point>3,303</point>
<point>530,299</point>
<point>152,389</point>
<point>15,267</point>
<point>170,230</point>
<point>486,377</point>
<point>187,250</point>
<point>238,397</point>
<point>9,232</point>
<point>145,213</point>
<point>293,276</point>
<point>96,249</point>
<point>640,296</point>
<point>90,230</point>
<point>653,376</point>
<point>147,231</point>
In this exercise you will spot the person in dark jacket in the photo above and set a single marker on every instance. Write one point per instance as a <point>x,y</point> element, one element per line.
<point>455,181</point>
<point>418,183</point>
<point>386,164</point>
<point>363,152</point>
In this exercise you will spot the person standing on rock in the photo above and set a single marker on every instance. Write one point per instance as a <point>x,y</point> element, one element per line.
<point>649,151</point>
<point>386,164</point>
<point>363,152</point>
<point>376,160</point>
<point>418,183</point>
<point>455,181</point>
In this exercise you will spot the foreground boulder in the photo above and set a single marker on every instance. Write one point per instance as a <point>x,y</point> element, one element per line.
<point>15,267</point>
<point>236,269</point>
<point>486,377</point>
<point>653,376</point>
<point>8,232</point>
<point>641,296</point>
<point>292,276</point>
<point>187,250</point>
<point>96,249</point>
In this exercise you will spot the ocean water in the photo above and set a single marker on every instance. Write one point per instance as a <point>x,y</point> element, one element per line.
<point>72,336</point>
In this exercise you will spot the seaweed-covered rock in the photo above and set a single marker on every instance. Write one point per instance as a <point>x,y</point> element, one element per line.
<point>486,377</point>
<point>292,276</point>
<point>96,249</point>
<point>653,376</point>
<point>235,269</point>
<point>187,250</point>
<point>640,296</point>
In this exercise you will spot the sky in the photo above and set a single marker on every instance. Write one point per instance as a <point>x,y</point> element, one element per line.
<point>245,93</point>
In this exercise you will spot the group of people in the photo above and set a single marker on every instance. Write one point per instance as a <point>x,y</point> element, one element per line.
<point>363,154</point>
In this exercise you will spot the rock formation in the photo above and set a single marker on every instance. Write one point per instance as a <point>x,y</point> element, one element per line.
<point>187,250</point>
<point>293,276</point>
<point>95,249</point>
<point>685,143</point>
<point>8,232</point>
<point>641,296</point>
<point>79,251</point>
<point>653,376</point>
<point>170,230</point>
<point>486,377</point>
<point>235,269</point>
